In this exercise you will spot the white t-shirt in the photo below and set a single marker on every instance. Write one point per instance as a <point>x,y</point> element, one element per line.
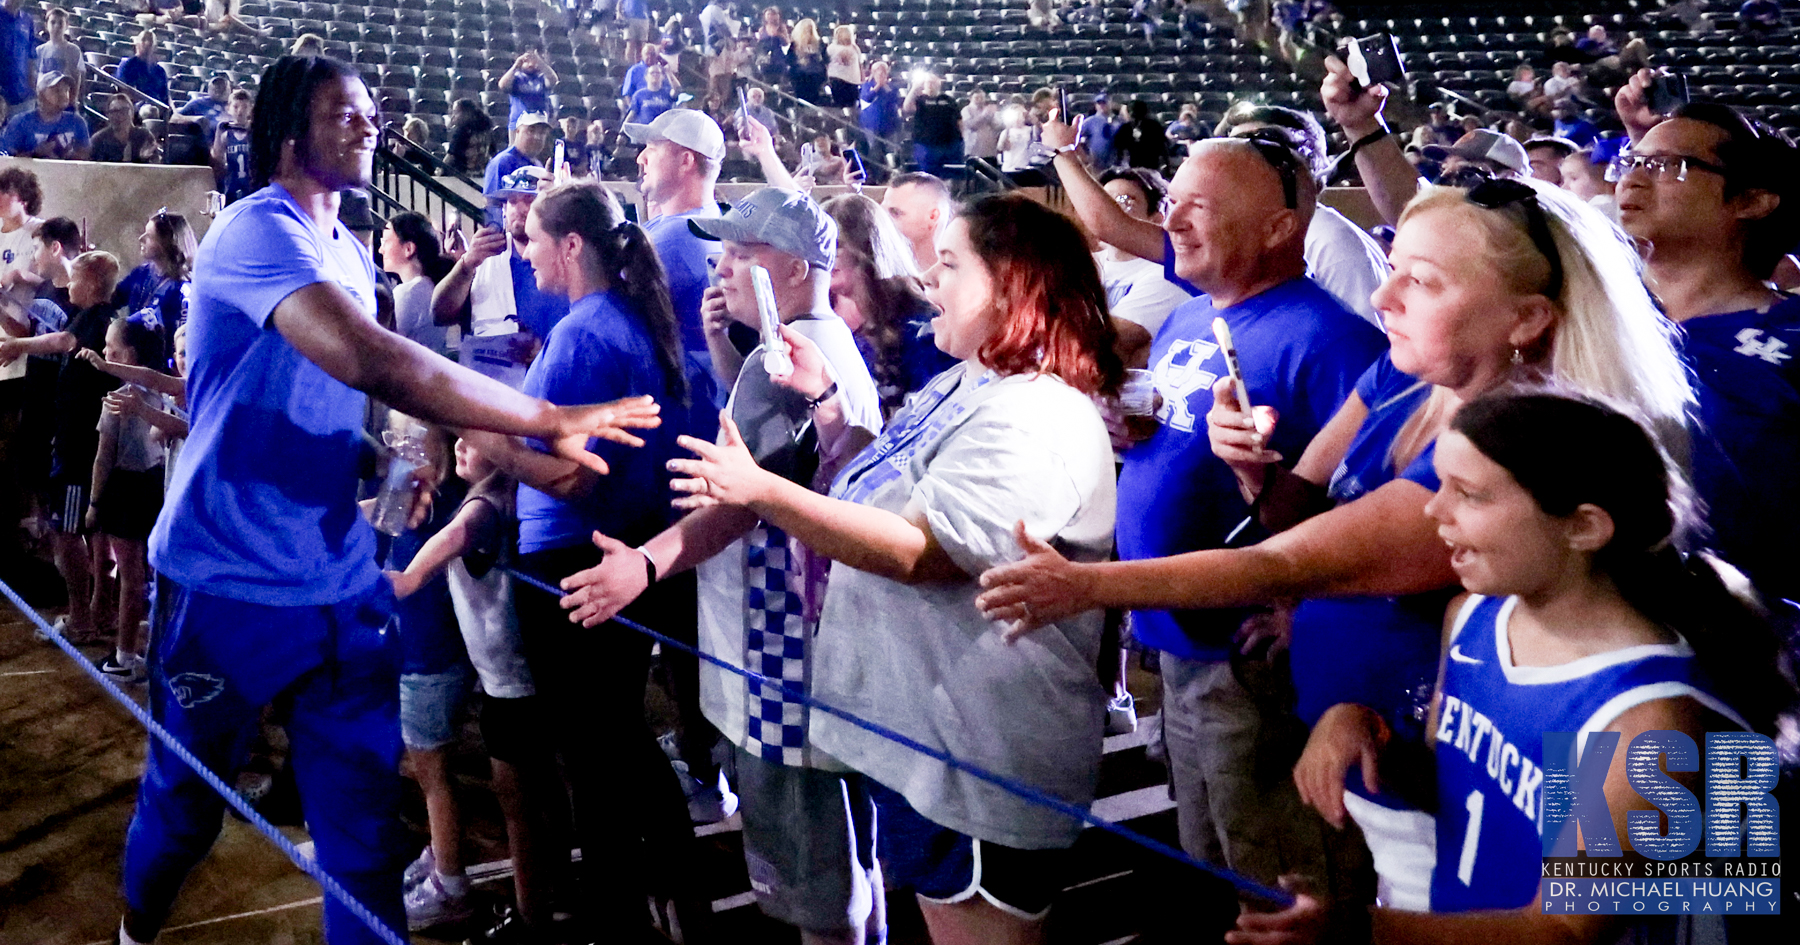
<point>1015,149</point>
<point>16,250</point>
<point>1558,88</point>
<point>844,63</point>
<point>1137,292</point>
<point>974,453</point>
<point>726,623</point>
<point>412,313</point>
<point>491,301</point>
<point>1345,261</point>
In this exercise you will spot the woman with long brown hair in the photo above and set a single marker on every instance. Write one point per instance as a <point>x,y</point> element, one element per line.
<point>875,289</point>
<point>1012,440</point>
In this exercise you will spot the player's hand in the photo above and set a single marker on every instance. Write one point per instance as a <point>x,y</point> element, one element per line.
<point>1346,736</point>
<point>609,421</point>
<point>1357,110</point>
<point>1303,923</point>
<point>597,594</point>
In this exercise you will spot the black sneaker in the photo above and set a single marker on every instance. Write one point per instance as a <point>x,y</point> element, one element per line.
<point>131,671</point>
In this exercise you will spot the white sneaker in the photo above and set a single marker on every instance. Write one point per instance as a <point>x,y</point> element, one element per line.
<point>707,804</point>
<point>1121,715</point>
<point>429,904</point>
<point>417,870</point>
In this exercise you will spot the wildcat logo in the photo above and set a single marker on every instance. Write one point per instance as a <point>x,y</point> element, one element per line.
<point>1179,377</point>
<point>192,689</point>
<point>1751,342</point>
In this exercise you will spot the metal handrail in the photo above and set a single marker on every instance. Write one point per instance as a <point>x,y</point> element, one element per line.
<point>986,170</point>
<point>119,85</point>
<point>830,114</point>
<point>388,166</point>
<point>437,166</point>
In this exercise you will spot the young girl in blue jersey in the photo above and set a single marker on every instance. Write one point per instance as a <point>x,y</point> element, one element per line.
<point>1564,517</point>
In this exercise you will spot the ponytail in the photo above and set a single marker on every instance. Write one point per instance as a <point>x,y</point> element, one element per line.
<point>1569,450</point>
<point>623,251</point>
<point>1711,604</point>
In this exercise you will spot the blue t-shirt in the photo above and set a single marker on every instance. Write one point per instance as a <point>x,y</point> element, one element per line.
<point>880,113</point>
<point>647,104</point>
<point>538,311</point>
<point>18,47</point>
<point>147,77</point>
<point>530,93</point>
<point>1097,131</point>
<point>262,503</point>
<point>1746,453</point>
<point>1301,351</point>
<point>146,288</point>
<point>601,353</point>
<point>634,9</point>
<point>208,110</point>
<point>26,131</point>
<point>1490,746</point>
<point>634,80</point>
<point>508,160</point>
<point>235,183</point>
<point>1381,652</point>
<point>689,262</point>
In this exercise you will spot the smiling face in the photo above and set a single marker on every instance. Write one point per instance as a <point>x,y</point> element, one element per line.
<point>1219,208</point>
<point>962,288</point>
<point>1447,307</point>
<point>340,147</point>
<point>513,215</point>
<point>55,99</point>
<point>118,115</point>
<point>1501,542</point>
<point>394,250</point>
<point>116,350</point>
<point>547,257</point>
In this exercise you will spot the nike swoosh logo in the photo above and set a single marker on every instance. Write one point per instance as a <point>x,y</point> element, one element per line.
<point>1457,655</point>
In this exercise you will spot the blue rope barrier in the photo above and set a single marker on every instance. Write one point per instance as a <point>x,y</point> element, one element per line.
<point>1241,883</point>
<point>311,868</point>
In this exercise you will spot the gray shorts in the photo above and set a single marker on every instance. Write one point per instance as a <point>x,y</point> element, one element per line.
<point>637,31</point>
<point>809,844</point>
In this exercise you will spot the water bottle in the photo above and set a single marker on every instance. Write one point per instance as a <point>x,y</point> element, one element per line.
<point>394,503</point>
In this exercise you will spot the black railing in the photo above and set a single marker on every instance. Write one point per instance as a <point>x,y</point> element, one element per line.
<point>406,178</point>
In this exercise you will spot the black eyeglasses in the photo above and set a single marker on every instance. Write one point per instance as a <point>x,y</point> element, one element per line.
<point>1279,152</point>
<point>1499,193</point>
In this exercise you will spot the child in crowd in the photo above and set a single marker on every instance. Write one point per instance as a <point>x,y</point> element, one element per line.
<point>76,405</point>
<point>150,395</point>
<point>1565,518</point>
<point>470,552</point>
<point>231,148</point>
<point>127,487</point>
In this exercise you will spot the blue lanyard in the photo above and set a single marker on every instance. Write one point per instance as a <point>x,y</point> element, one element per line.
<point>894,440</point>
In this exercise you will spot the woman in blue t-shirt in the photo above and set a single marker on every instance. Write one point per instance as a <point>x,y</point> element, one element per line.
<point>620,335</point>
<point>1565,518</point>
<point>1486,282</point>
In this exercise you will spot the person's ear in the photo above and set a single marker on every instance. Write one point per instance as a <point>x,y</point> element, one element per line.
<point>1590,528</point>
<point>1282,227</point>
<point>1754,204</point>
<point>1535,316</point>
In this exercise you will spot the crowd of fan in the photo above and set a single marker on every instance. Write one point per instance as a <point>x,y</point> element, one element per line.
<point>985,437</point>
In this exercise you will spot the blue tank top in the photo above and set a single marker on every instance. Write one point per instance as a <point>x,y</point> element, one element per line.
<point>1489,741</point>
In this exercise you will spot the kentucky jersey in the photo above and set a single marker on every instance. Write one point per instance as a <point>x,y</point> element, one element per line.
<point>1490,746</point>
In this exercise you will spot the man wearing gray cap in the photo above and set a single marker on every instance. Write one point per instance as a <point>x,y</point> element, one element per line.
<point>1490,152</point>
<point>51,131</point>
<point>808,823</point>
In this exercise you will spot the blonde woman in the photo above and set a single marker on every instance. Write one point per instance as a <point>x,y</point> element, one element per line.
<point>806,62</point>
<point>844,70</point>
<point>1506,278</point>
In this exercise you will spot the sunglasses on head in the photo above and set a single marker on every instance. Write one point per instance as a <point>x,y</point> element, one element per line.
<point>1276,149</point>
<point>1499,193</point>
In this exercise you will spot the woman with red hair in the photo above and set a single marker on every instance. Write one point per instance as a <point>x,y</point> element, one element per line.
<point>1011,439</point>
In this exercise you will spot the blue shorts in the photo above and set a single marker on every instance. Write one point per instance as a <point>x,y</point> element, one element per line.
<point>428,704</point>
<point>944,866</point>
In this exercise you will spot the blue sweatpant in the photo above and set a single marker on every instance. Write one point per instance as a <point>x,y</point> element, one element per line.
<point>214,663</point>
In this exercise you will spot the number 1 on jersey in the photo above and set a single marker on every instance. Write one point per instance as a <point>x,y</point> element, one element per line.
<point>1465,867</point>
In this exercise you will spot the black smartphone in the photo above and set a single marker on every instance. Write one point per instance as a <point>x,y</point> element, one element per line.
<point>856,163</point>
<point>1373,60</point>
<point>1062,106</point>
<point>1668,92</point>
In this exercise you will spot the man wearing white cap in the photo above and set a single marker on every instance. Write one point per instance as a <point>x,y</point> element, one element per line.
<point>530,142</point>
<point>808,823</point>
<point>677,168</point>
<point>52,131</point>
<point>491,290</point>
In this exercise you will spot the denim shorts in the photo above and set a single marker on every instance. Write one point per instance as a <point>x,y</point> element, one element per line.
<point>428,704</point>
